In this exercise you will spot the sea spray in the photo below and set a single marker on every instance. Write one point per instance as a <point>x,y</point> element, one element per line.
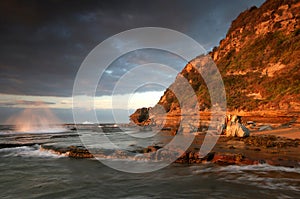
<point>36,120</point>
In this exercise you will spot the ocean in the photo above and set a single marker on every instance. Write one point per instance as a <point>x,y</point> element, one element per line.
<point>29,171</point>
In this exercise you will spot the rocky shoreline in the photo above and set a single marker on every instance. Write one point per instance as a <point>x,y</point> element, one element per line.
<point>255,149</point>
<point>279,146</point>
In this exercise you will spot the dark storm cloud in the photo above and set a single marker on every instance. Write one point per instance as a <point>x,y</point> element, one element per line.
<point>128,66</point>
<point>42,43</point>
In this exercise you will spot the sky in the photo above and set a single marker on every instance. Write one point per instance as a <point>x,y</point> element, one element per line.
<point>43,44</point>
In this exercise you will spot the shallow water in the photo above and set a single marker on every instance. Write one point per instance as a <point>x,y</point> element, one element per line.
<point>29,172</point>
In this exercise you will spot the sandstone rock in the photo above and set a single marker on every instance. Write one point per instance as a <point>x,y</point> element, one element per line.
<point>234,128</point>
<point>231,159</point>
<point>141,116</point>
<point>150,149</point>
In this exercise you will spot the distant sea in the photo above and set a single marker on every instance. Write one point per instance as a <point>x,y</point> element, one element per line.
<point>26,171</point>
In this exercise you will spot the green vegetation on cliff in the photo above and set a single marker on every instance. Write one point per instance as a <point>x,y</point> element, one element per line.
<point>259,61</point>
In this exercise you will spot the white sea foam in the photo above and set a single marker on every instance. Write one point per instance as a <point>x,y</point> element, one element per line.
<point>6,132</point>
<point>28,151</point>
<point>241,169</point>
<point>262,175</point>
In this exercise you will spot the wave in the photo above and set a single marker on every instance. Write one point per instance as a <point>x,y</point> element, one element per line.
<point>45,130</point>
<point>36,131</point>
<point>7,132</point>
<point>240,169</point>
<point>262,175</point>
<point>29,151</point>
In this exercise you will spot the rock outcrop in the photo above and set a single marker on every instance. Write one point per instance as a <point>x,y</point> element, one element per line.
<point>141,116</point>
<point>234,127</point>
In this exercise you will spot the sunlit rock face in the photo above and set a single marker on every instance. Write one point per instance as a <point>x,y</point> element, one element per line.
<point>259,60</point>
<point>141,116</point>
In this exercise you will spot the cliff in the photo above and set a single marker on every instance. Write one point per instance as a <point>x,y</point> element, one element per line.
<point>259,61</point>
<point>260,58</point>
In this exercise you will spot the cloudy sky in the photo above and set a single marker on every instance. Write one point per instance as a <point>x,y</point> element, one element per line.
<point>43,44</point>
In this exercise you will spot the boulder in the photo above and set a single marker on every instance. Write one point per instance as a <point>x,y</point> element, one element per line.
<point>235,128</point>
<point>265,128</point>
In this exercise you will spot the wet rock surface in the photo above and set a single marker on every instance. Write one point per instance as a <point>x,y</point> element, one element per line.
<point>259,149</point>
<point>269,149</point>
<point>70,151</point>
<point>267,141</point>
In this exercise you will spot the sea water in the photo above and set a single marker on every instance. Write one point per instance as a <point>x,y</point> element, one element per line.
<point>27,171</point>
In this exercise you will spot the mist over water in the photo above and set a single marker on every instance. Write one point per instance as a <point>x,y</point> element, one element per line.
<point>36,120</point>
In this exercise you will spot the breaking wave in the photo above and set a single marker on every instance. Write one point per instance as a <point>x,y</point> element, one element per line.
<point>29,151</point>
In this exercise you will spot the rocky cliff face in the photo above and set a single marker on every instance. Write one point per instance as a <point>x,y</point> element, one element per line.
<point>260,57</point>
<point>259,61</point>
